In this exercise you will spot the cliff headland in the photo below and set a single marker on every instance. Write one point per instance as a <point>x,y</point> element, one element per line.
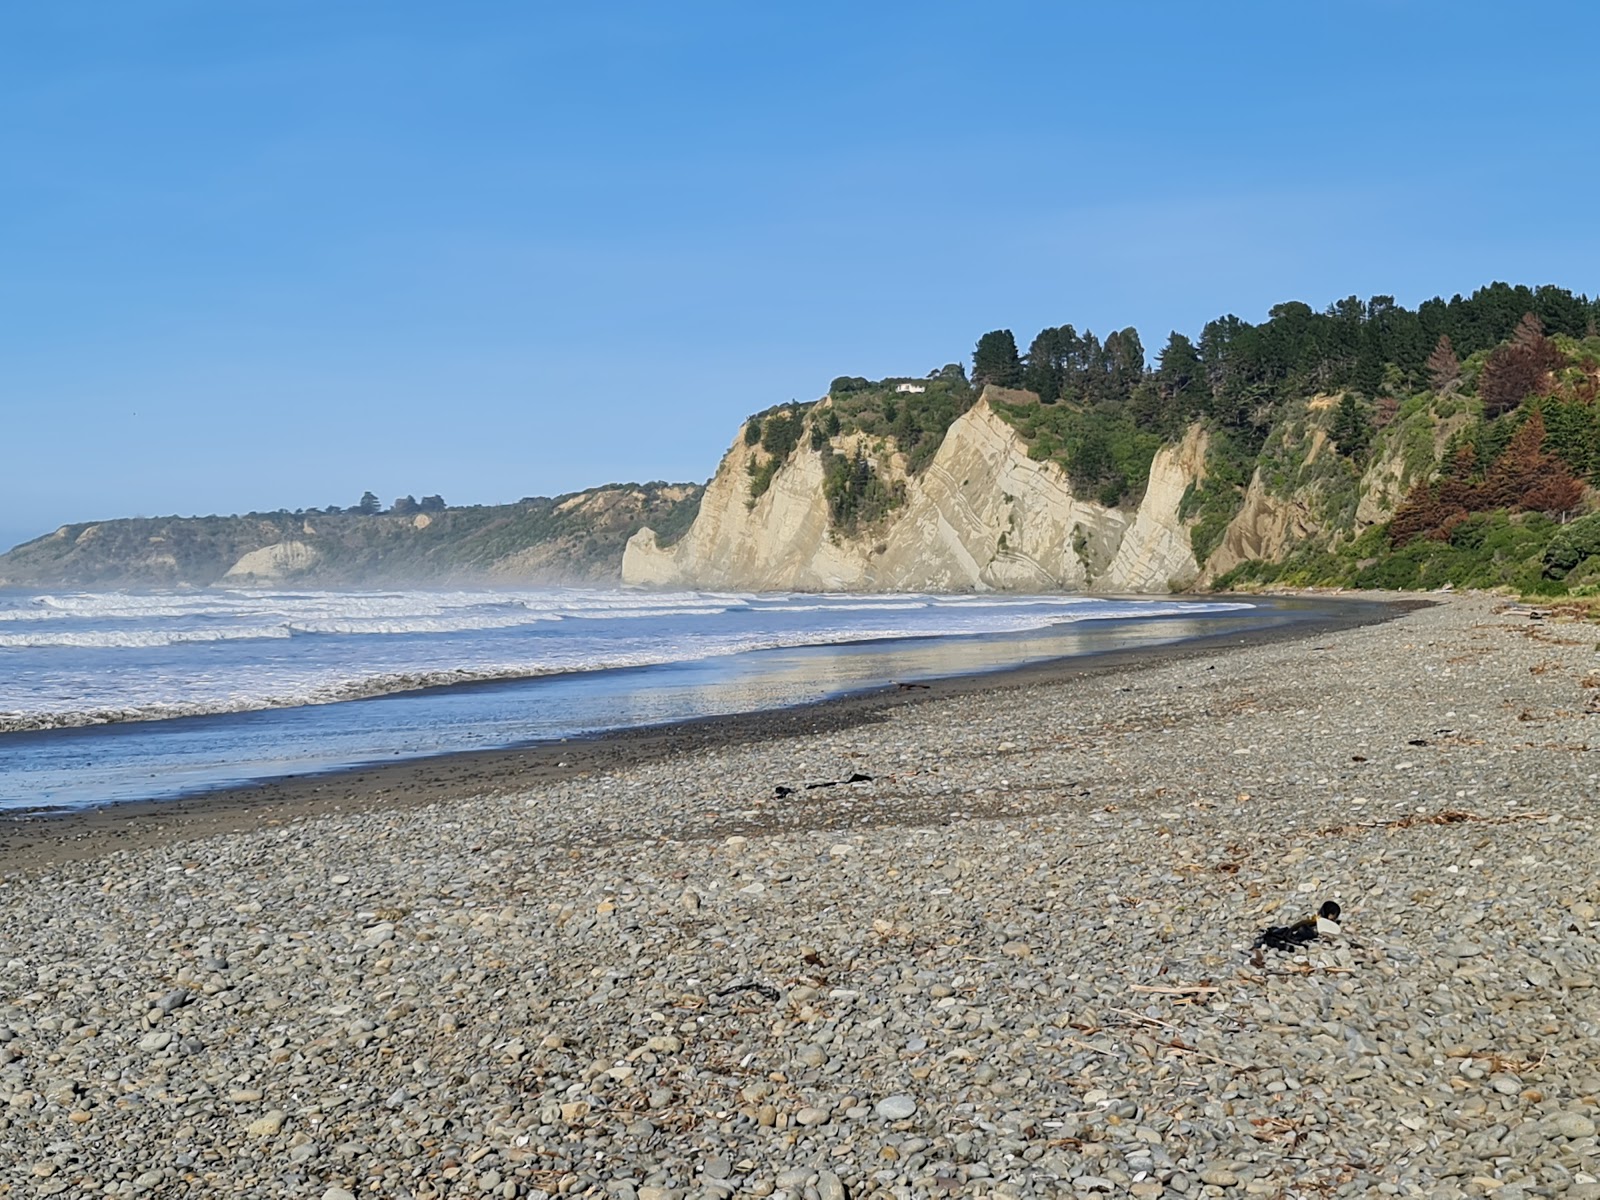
<point>1362,445</point>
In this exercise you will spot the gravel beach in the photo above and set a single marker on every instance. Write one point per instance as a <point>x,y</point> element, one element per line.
<point>1016,962</point>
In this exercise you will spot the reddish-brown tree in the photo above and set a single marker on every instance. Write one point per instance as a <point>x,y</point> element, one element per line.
<point>1419,513</point>
<point>1526,477</point>
<point>1457,488</point>
<point>1556,494</point>
<point>1463,463</point>
<point>1529,332</point>
<point>1519,369</point>
<point>1523,476</point>
<point>1443,367</point>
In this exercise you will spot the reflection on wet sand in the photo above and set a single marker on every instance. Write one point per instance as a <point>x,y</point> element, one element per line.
<point>107,764</point>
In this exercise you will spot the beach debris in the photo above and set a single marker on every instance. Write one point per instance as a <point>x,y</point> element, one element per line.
<point>1449,816</point>
<point>766,991</point>
<point>912,687</point>
<point>855,777</point>
<point>784,789</point>
<point>1288,938</point>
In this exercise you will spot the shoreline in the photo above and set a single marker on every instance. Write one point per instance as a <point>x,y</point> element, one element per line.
<point>1016,953</point>
<point>37,838</point>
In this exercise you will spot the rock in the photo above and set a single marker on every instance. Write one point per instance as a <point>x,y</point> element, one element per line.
<point>338,1193</point>
<point>1218,1177</point>
<point>896,1108</point>
<point>829,1186</point>
<point>1572,1125</point>
<point>158,1039</point>
<point>268,1124</point>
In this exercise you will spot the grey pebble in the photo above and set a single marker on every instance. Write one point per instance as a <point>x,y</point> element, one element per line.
<point>896,1108</point>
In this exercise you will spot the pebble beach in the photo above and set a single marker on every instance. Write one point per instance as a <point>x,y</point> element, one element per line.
<point>1015,962</point>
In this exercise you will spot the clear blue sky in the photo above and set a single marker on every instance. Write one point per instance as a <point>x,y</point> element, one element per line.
<point>273,253</point>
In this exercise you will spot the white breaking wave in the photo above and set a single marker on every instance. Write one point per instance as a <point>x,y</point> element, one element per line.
<point>374,626</point>
<point>112,639</point>
<point>86,658</point>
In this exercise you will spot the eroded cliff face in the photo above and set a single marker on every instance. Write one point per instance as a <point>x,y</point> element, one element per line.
<point>272,564</point>
<point>982,516</point>
<point>1306,494</point>
<point>1266,526</point>
<point>1400,463</point>
<point>1156,556</point>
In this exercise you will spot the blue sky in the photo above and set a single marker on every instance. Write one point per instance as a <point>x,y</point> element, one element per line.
<point>263,254</point>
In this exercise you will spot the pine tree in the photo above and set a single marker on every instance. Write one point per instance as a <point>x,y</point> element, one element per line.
<point>1369,361</point>
<point>1352,431</point>
<point>1529,332</point>
<point>996,360</point>
<point>1044,372</point>
<point>1518,370</point>
<point>1525,476</point>
<point>1444,370</point>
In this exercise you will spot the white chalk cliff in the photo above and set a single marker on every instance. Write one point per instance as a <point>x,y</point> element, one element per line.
<point>981,516</point>
<point>281,560</point>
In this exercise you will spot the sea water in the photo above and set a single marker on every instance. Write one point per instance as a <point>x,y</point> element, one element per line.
<point>132,695</point>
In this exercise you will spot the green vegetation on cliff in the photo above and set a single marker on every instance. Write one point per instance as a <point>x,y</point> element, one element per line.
<point>914,412</point>
<point>1329,418</point>
<point>905,415</point>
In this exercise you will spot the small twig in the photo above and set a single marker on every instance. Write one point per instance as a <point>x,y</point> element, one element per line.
<point>1192,989</point>
<point>1177,1045</point>
<point>1128,1012</point>
<point>1087,1046</point>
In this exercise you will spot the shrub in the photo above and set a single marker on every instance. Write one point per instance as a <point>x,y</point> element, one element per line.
<point>1572,545</point>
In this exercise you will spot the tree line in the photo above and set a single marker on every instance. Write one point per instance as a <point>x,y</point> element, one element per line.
<point>1236,372</point>
<point>370,506</point>
<point>1237,375</point>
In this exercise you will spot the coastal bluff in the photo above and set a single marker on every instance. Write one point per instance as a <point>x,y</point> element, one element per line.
<point>574,539</point>
<point>983,515</point>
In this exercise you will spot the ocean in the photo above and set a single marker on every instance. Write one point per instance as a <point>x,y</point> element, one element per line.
<point>118,696</point>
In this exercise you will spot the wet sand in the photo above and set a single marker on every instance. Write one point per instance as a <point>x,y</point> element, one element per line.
<point>34,839</point>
